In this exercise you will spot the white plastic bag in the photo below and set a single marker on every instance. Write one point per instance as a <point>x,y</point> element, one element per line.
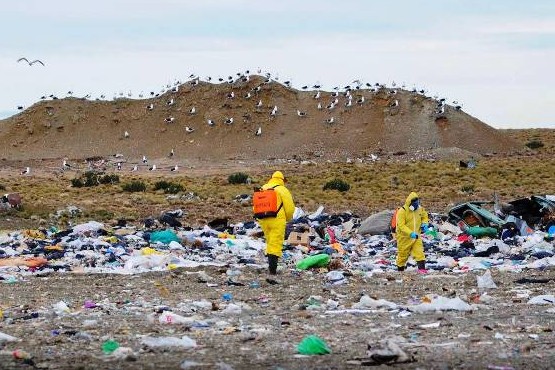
<point>486,281</point>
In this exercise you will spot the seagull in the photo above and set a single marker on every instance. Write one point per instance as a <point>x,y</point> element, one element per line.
<point>118,165</point>
<point>126,134</point>
<point>349,103</point>
<point>231,95</point>
<point>20,107</point>
<point>175,89</point>
<point>334,94</point>
<point>118,155</point>
<point>144,159</point>
<point>30,63</point>
<point>331,106</point>
<point>330,120</point>
<point>304,87</point>
<point>395,103</point>
<point>174,168</point>
<point>274,111</point>
<point>170,102</point>
<point>258,132</point>
<point>169,119</point>
<point>301,114</point>
<point>150,106</point>
<point>152,168</point>
<point>259,104</point>
<point>65,165</point>
<point>192,110</point>
<point>319,106</point>
<point>360,100</point>
<point>26,171</point>
<point>256,88</point>
<point>248,95</point>
<point>393,92</point>
<point>189,129</point>
<point>171,153</point>
<point>135,168</point>
<point>317,95</point>
<point>229,121</point>
<point>210,122</point>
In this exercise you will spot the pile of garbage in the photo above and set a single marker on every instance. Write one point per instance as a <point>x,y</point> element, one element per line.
<point>342,242</point>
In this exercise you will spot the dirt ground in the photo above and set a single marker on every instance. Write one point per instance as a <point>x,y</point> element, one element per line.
<point>502,334</point>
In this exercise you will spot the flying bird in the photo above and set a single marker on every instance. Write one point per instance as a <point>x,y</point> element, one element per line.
<point>30,63</point>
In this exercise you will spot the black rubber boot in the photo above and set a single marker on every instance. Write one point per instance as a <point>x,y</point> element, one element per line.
<point>272,267</point>
<point>400,268</point>
<point>421,265</point>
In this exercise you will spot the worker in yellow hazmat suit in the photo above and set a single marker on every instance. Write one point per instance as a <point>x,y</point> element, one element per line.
<point>274,227</point>
<point>412,219</point>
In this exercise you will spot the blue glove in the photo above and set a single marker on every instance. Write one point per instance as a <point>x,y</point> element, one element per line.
<point>413,235</point>
<point>424,227</point>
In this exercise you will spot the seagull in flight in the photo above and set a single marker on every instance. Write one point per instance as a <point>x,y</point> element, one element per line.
<point>30,63</point>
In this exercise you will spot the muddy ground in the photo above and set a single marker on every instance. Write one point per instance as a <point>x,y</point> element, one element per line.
<point>502,334</point>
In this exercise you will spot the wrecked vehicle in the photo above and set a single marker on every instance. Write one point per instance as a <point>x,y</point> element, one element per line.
<point>538,211</point>
<point>475,214</point>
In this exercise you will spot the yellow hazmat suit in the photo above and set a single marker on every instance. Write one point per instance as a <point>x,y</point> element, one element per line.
<point>408,222</point>
<point>274,227</point>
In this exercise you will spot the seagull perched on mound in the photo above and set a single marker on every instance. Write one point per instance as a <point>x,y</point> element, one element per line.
<point>193,110</point>
<point>317,95</point>
<point>395,103</point>
<point>360,100</point>
<point>274,111</point>
<point>135,168</point>
<point>174,168</point>
<point>301,114</point>
<point>126,134</point>
<point>258,132</point>
<point>229,121</point>
<point>170,102</point>
<point>169,119</point>
<point>150,106</point>
<point>65,165</point>
<point>231,95</point>
<point>189,129</point>
<point>152,168</point>
<point>144,159</point>
<point>171,153</point>
<point>30,63</point>
<point>26,171</point>
<point>330,120</point>
<point>259,104</point>
<point>210,122</point>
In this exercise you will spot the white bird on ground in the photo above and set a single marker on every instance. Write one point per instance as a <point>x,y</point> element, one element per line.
<point>317,95</point>
<point>152,168</point>
<point>65,165</point>
<point>193,110</point>
<point>301,114</point>
<point>26,171</point>
<point>150,106</point>
<point>174,168</point>
<point>274,111</point>
<point>395,103</point>
<point>259,104</point>
<point>118,166</point>
<point>231,95</point>
<point>349,103</point>
<point>248,95</point>
<point>171,153</point>
<point>170,102</point>
<point>189,129</point>
<point>135,168</point>
<point>144,159</point>
<point>330,120</point>
<point>229,121</point>
<point>360,100</point>
<point>210,122</point>
<point>126,134</point>
<point>259,131</point>
<point>169,119</point>
<point>175,89</point>
<point>319,106</point>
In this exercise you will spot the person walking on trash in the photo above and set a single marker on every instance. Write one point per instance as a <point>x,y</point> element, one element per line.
<point>273,222</point>
<point>411,220</point>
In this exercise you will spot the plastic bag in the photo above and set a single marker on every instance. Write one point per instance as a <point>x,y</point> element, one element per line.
<point>318,260</point>
<point>313,345</point>
<point>486,281</point>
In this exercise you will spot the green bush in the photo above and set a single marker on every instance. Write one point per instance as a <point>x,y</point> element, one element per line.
<point>134,186</point>
<point>534,144</point>
<point>337,184</point>
<point>168,187</point>
<point>468,189</point>
<point>238,178</point>
<point>77,183</point>
<point>109,179</point>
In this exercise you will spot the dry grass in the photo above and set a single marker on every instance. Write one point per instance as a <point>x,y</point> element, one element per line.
<point>373,187</point>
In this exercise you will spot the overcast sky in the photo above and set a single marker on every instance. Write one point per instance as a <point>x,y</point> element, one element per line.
<point>496,57</point>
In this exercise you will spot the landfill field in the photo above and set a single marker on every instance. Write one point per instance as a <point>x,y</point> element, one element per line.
<point>257,325</point>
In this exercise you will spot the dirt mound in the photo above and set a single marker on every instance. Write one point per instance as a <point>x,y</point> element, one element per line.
<point>376,120</point>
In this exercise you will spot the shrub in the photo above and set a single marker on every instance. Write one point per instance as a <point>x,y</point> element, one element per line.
<point>109,179</point>
<point>2,187</point>
<point>534,144</point>
<point>168,187</point>
<point>337,184</point>
<point>469,189</point>
<point>134,186</point>
<point>77,183</point>
<point>238,178</point>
